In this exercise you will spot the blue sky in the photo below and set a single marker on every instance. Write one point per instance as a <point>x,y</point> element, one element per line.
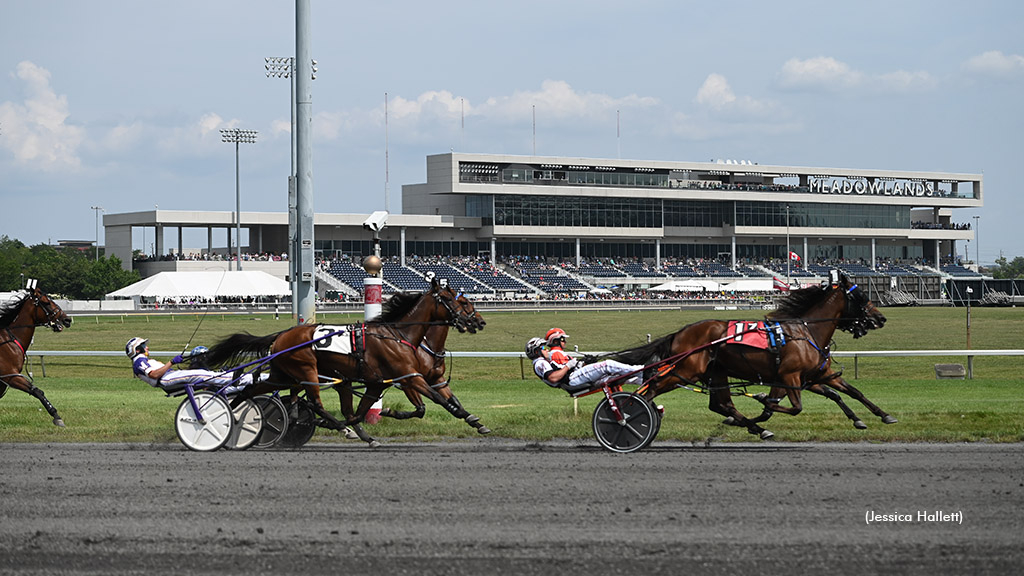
<point>119,103</point>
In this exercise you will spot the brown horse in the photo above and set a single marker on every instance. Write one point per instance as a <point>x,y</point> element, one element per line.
<point>704,356</point>
<point>384,351</point>
<point>431,355</point>
<point>18,321</point>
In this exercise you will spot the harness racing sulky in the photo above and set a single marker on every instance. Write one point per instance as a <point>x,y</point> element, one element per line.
<point>789,352</point>
<point>378,354</point>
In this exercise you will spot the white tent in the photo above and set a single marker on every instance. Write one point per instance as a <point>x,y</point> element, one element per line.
<point>209,284</point>
<point>750,285</point>
<point>687,286</point>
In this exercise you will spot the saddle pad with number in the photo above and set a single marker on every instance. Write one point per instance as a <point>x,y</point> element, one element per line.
<point>336,339</point>
<point>767,336</point>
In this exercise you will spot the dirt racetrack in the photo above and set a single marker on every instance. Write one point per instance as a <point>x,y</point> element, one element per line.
<point>494,506</point>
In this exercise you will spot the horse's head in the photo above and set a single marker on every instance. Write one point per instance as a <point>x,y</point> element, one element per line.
<point>46,312</point>
<point>461,312</point>
<point>860,313</point>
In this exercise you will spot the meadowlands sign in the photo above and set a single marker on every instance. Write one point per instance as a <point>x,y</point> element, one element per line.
<point>876,188</point>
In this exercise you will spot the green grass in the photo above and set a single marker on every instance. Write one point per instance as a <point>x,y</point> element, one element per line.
<point>101,402</point>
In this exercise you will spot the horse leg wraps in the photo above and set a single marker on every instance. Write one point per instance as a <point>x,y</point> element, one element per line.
<point>455,408</point>
<point>42,398</point>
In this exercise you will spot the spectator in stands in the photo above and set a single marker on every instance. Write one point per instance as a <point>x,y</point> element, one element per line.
<point>574,375</point>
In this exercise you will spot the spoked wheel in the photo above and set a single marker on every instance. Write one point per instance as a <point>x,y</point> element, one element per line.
<point>209,432</point>
<point>248,425</point>
<point>640,425</point>
<point>300,429</point>
<point>275,420</point>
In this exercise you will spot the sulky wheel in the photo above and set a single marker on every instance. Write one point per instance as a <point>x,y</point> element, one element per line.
<point>248,425</point>
<point>211,431</point>
<point>275,420</point>
<point>640,424</point>
<point>300,428</point>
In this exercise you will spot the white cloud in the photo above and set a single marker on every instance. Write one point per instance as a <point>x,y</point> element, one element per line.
<point>996,64</point>
<point>821,73</point>
<point>826,74</point>
<point>718,97</point>
<point>556,99</point>
<point>715,92</point>
<point>36,131</point>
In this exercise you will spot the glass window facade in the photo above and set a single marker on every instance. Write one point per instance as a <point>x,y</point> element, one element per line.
<point>576,211</point>
<point>697,214</point>
<point>822,215</point>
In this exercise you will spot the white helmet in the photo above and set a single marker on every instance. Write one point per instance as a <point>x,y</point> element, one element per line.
<point>533,347</point>
<point>135,346</point>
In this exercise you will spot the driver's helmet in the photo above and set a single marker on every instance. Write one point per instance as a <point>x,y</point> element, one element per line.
<point>198,351</point>
<point>555,337</point>
<point>135,346</point>
<point>533,348</point>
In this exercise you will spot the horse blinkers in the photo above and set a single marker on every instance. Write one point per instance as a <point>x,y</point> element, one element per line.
<point>863,313</point>
<point>55,317</point>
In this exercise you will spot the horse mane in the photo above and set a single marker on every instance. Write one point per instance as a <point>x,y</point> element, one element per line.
<point>398,306</point>
<point>796,302</point>
<point>9,310</point>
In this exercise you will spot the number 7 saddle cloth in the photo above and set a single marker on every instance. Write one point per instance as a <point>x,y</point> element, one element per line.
<point>763,335</point>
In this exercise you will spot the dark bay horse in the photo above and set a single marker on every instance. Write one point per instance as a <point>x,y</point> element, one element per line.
<point>702,356</point>
<point>431,356</point>
<point>385,350</point>
<point>18,321</point>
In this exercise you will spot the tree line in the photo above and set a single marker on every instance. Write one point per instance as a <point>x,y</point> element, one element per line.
<point>62,272</point>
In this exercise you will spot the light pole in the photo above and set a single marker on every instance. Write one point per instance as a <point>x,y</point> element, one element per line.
<point>98,209</point>
<point>238,136</point>
<point>284,67</point>
<point>977,243</point>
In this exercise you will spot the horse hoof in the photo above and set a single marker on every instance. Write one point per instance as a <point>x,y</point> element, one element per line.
<point>483,430</point>
<point>58,422</point>
<point>887,419</point>
<point>859,425</point>
<point>350,434</point>
<point>730,421</point>
<point>767,435</point>
<point>374,444</point>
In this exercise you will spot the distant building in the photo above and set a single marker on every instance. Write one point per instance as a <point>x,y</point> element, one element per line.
<point>582,208</point>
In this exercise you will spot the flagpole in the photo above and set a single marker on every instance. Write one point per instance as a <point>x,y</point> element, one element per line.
<point>789,256</point>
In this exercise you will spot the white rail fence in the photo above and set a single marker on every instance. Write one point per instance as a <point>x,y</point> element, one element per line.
<point>856,355</point>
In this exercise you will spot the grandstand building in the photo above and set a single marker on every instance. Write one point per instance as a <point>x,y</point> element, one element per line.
<point>606,221</point>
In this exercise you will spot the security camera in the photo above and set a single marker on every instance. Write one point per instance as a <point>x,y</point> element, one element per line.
<point>376,221</point>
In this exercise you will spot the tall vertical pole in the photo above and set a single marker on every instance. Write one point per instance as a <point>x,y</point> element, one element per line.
<point>238,213</point>
<point>789,257</point>
<point>98,209</point>
<point>305,288</point>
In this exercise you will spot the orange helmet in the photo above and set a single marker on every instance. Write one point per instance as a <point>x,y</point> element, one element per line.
<point>555,335</point>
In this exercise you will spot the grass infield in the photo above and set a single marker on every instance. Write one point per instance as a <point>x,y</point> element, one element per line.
<point>101,402</point>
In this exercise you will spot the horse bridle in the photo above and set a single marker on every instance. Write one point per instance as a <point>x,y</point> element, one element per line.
<point>457,317</point>
<point>50,308</point>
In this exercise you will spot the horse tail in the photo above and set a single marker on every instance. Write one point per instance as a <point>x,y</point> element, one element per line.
<point>238,348</point>
<point>648,353</point>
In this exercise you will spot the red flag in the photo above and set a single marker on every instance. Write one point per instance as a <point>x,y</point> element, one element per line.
<point>779,284</point>
<point>794,256</point>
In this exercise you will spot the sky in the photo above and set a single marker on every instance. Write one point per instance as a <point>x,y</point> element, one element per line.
<point>118,104</point>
